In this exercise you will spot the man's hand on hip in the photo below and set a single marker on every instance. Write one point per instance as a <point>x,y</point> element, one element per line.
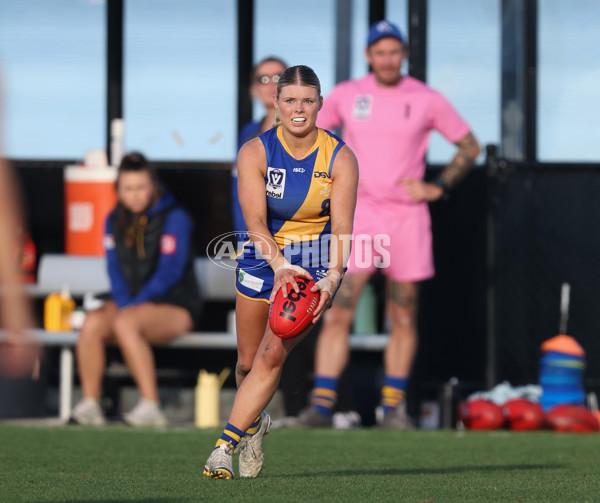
<point>420,190</point>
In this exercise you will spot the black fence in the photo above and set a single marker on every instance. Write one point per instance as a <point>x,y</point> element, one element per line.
<point>543,232</point>
<point>505,241</point>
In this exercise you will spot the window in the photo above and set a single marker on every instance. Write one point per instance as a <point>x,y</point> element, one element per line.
<point>463,63</point>
<point>300,34</point>
<point>358,38</point>
<point>568,100</point>
<point>52,63</point>
<point>180,79</point>
<point>397,13</point>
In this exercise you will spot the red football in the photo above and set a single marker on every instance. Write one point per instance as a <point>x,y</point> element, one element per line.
<point>523,415</point>
<point>480,414</point>
<point>289,317</point>
<point>572,418</point>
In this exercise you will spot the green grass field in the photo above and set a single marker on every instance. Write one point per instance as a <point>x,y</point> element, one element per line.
<point>116,463</point>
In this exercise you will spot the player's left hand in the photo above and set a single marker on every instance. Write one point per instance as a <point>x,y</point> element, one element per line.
<point>327,287</point>
<point>419,190</point>
<point>284,274</point>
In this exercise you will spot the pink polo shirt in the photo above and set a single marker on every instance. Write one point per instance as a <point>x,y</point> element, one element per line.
<point>388,129</point>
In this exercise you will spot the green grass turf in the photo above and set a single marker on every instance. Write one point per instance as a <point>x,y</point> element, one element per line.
<point>77,464</point>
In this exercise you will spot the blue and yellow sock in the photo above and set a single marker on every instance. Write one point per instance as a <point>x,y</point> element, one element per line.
<point>254,427</point>
<point>231,435</point>
<point>393,392</point>
<point>324,394</point>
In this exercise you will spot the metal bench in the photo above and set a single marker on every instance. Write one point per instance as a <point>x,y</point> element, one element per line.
<point>66,341</point>
<point>88,274</point>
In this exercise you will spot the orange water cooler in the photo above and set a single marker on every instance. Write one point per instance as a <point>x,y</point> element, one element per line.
<point>89,198</point>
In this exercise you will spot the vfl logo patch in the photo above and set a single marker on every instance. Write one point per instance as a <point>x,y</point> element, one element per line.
<point>109,242</point>
<point>168,244</point>
<point>362,106</point>
<point>321,273</point>
<point>275,182</point>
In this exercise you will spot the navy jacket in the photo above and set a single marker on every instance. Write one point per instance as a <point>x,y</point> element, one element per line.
<point>160,266</point>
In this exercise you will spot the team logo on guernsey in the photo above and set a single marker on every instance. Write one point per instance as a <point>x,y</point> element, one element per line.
<point>362,106</point>
<point>325,188</point>
<point>168,244</point>
<point>109,242</point>
<point>275,182</point>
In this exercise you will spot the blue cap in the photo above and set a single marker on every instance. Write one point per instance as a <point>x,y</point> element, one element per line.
<point>382,29</point>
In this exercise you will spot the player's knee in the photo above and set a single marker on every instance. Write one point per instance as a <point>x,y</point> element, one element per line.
<point>245,357</point>
<point>243,365</point>
<point>270,358</point>
<point>242,369</point>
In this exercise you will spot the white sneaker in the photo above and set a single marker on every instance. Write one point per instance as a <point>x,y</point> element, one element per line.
<point>251,451</point>
<point>88,412</point>
<point>310,417</point>
<point>346,420</point>
<point>146,413</point>
<point>219,464</point>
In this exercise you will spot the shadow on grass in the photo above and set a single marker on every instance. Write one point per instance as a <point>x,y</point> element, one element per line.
<point>145,500</point>
<point>425,471</point>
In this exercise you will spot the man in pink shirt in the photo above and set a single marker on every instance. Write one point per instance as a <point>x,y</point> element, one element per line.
<point>386,119</point>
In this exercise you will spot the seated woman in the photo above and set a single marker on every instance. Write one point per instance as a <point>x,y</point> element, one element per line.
<point>154,293</point>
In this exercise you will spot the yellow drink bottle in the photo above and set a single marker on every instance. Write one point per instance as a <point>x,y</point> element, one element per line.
<point>53,312</point>
<point>57,311</point>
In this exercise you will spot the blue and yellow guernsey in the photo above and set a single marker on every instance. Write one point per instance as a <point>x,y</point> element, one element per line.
<point>298,195</point>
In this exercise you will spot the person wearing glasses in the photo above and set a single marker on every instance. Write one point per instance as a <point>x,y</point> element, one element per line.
<point>387,119</point>
<point>297,186</point>
<point>264,78</point>
<point>154,294</point>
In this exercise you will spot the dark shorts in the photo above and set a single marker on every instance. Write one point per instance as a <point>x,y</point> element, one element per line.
<point>256,282</point>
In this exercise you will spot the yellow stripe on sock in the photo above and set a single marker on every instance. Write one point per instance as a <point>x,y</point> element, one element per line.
<point>221,441</point>
<point>323,402</point>
<point>391,397</point>
<point>324,392</point>
<point>233,435</point>
<point>254,427</point>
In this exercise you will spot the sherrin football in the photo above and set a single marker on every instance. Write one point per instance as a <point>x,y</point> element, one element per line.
<point>480,414</point>
<point>571,418</point>
<point>289,317</point>
<point>523,415</point>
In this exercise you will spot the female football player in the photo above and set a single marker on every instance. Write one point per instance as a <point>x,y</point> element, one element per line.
<point>297,188</point>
